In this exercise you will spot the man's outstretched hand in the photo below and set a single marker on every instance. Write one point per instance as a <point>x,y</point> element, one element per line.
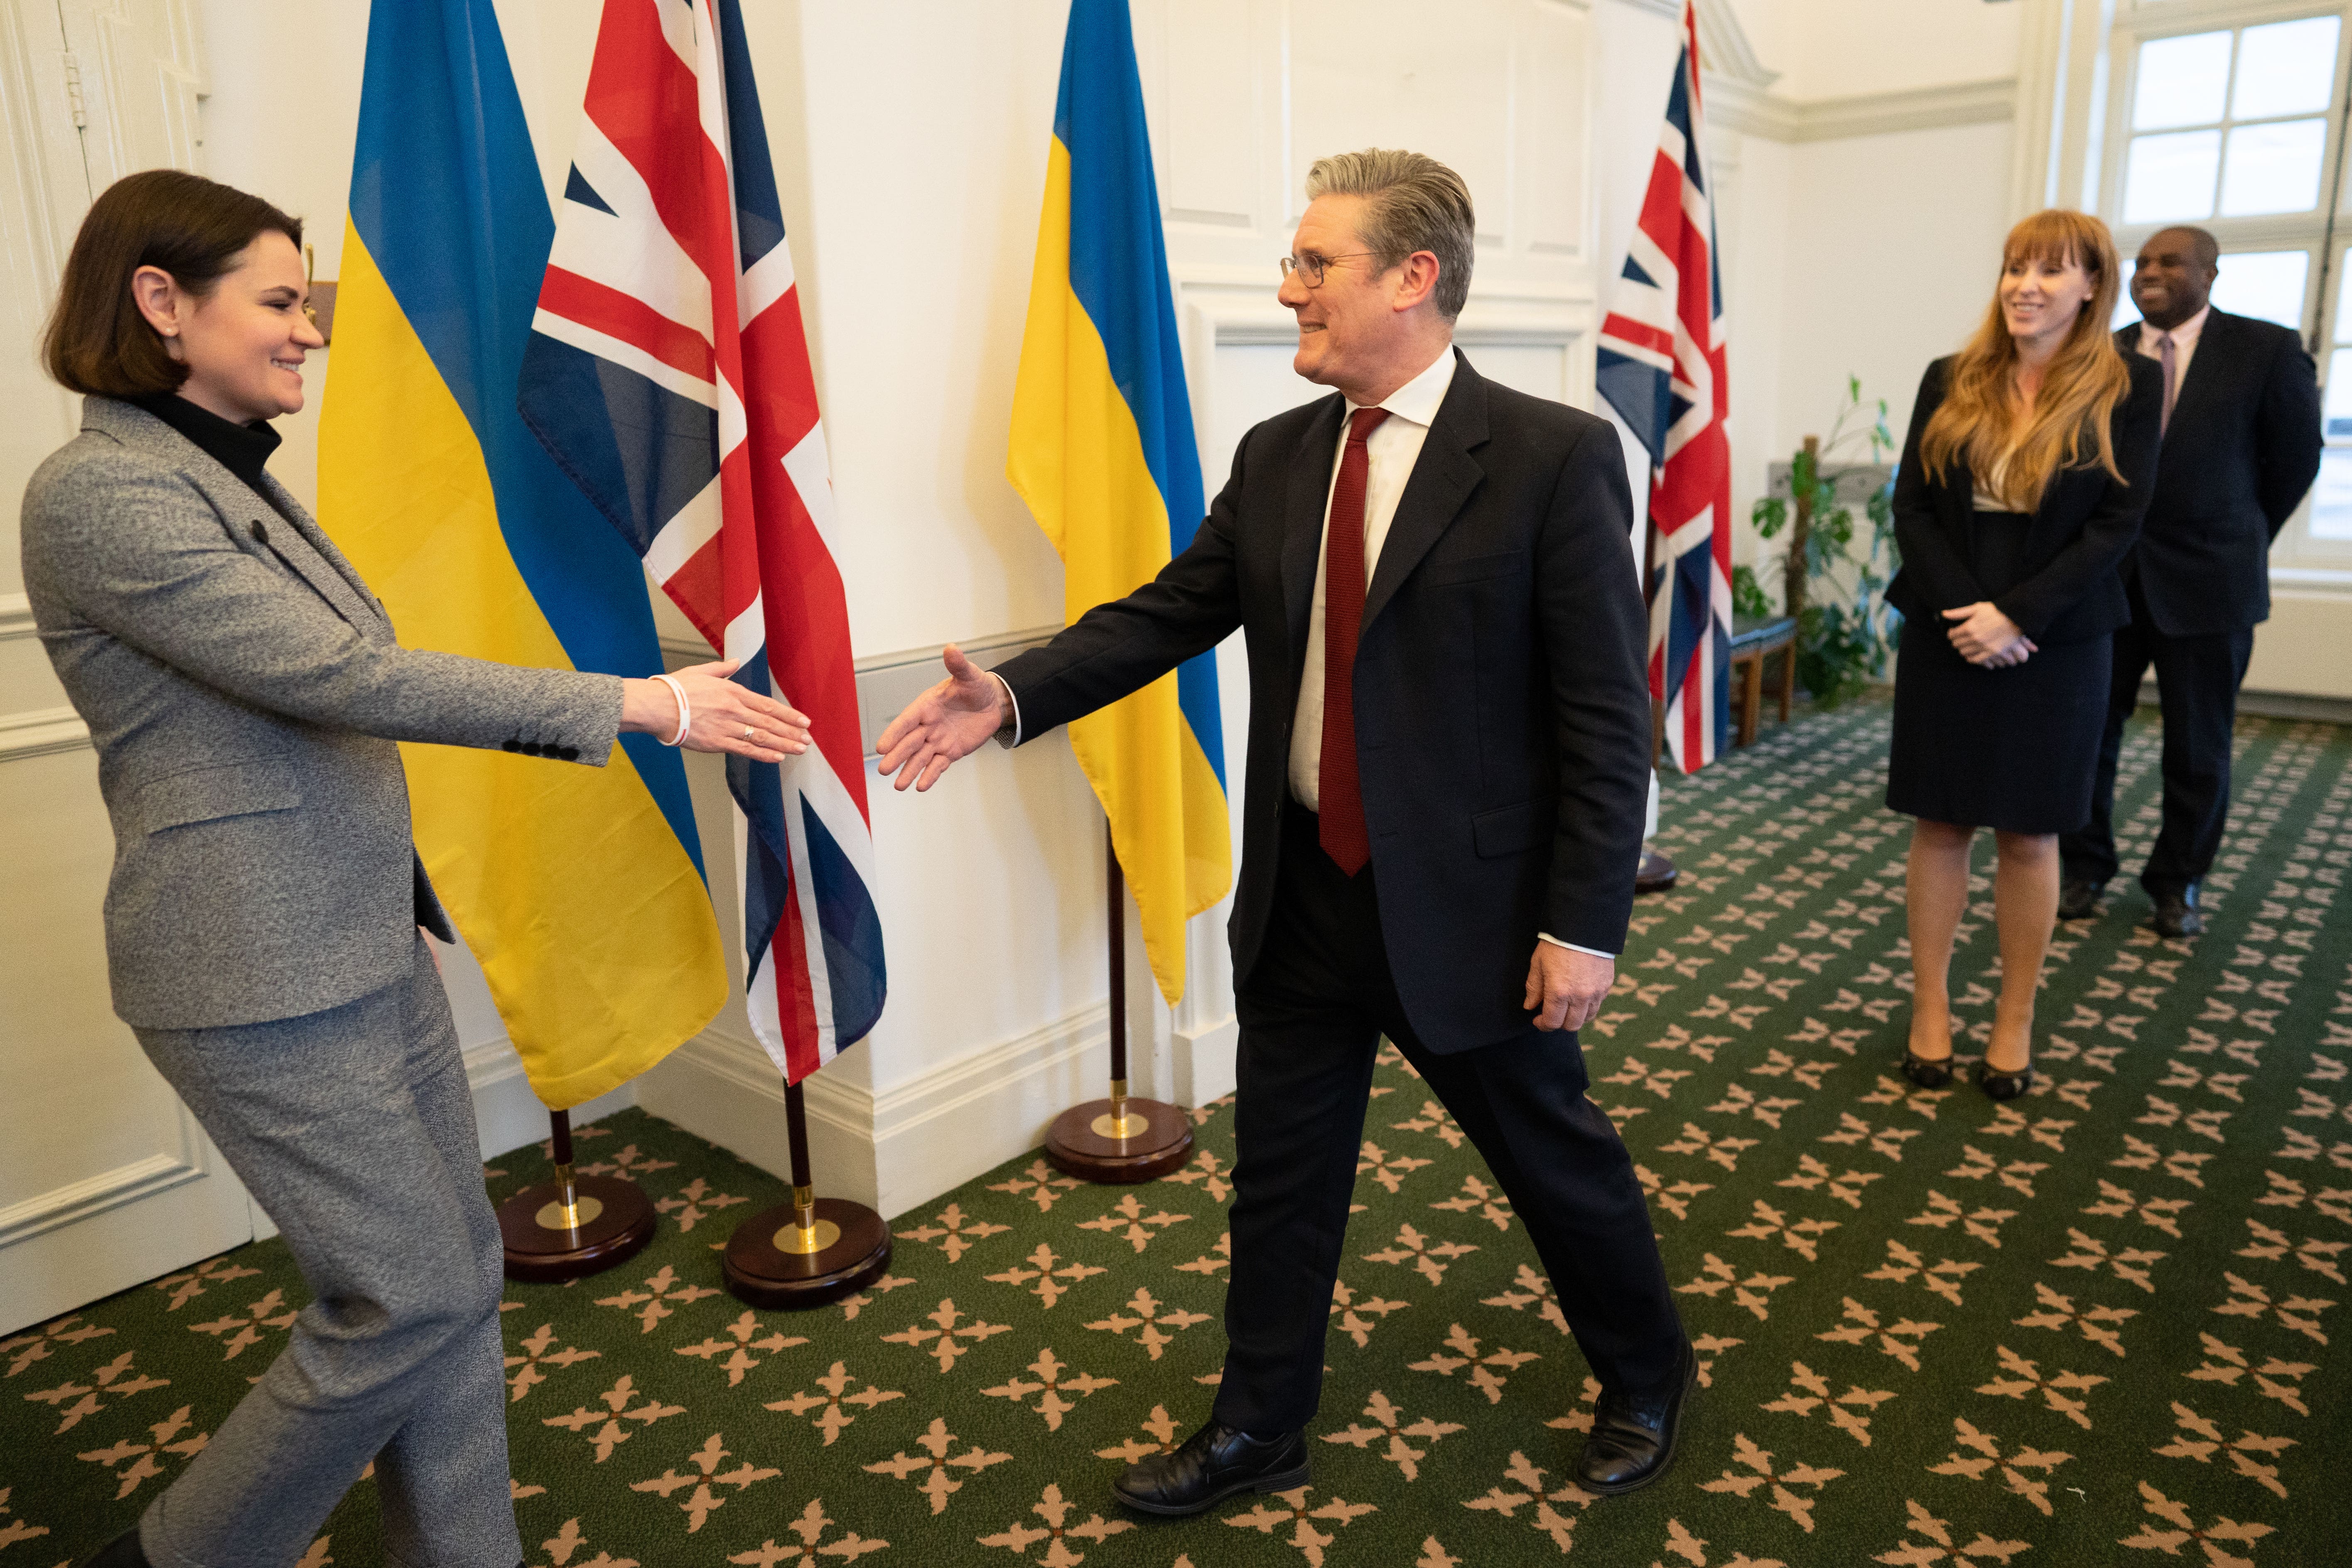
<point>945,724</point>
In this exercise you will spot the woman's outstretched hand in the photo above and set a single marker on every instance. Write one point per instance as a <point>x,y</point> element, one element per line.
<point>1985,636</point>
<point>727,716</point>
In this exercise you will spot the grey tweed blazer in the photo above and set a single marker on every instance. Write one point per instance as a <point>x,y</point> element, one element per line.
<point>243,695</point>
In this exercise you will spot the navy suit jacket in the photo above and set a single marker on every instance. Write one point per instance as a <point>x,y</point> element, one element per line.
<point>2242,450</point>
<point>1502,703</point>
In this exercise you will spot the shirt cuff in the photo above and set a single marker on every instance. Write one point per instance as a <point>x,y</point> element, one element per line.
<point>1008,735</point>
<point>1572,947</point>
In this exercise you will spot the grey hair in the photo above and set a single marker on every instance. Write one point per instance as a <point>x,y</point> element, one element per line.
<point>1411,203</point>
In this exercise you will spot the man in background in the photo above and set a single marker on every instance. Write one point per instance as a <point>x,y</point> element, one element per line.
<point>2241,447</point>
<point>1449,760</point>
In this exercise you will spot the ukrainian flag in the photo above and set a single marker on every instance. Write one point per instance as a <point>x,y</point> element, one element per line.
<point>1102,451</point>
<point>581,890</point>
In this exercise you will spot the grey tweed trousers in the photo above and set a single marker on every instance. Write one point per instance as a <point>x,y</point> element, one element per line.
<point>353,1128</point>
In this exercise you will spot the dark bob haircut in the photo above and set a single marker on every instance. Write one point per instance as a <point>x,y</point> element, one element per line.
<point>193,228</point>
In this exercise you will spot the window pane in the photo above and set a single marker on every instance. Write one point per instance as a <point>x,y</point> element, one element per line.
<point>2331,498</point>
<point>2264,284</point>
<point>2274,168</point>
<point>2287,67</point>
<point>2182,81</point>
<point>2171,177</point>
<point>2343,298</point>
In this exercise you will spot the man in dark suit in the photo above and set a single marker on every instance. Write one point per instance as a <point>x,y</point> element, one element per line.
<point>2241,447</point>
<point>1448,772</point>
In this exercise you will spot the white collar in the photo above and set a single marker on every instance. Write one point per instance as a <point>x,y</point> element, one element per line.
<point>1418,399</point>
<point>2183,336</point>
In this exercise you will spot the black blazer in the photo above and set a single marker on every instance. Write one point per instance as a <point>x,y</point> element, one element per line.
<point>2081,532</point>
<point>2242,450</point>
<point>1502,704</point>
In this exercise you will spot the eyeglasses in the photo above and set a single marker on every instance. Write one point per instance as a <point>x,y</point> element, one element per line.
<point>1310,267</point>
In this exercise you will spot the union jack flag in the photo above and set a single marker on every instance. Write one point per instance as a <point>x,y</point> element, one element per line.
<point>1662,367</point>
<point>669,374</point>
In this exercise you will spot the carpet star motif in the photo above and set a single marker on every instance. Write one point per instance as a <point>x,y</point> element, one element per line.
<point>2162,1213</point>
<point>2056,1389</point>
<point>1056,1533</point>
<point>2285,1192</point>
<point>1848,1412</point>
<point>2215,1538</point>
<point>1434,1120</point>
<point>1845,1186</point>
<point>695,1203</point>
<point>24,1350</point>
<point>1532,1289</point>
<point>243,1330</point>
<point>627,1163</point>
<point>1388,1170</point>
<point>1801,1237</point>
<point>619,1406</point>
<point>1985,1455</point>
<point>1854,1130</point>
<point>2008,1122</point>
<point>663,1295</point>
<point>1053,1277</point>
<point>1983,1225</point>
<point>2130,1263</point>
<point>1207,1172</point>
<point>566,1544</point>
<point>703,1501</point>
<point>2097,1324</point>
<point>1266,1518</point>
<point>1528,1486</point>
<point>1487,1202</point>
<point>1429,1258</point>
<point>1487,1372</point>
<point>1127,1214</point>
<point>1349,1307</point>
<point>832,1417</point>
<point>1725,1151</point>
<point>1389,1422</point>
<point>1755,1469</point>
<point>1041,1184</point>
<point>1634,1072</point>
<point>1150,1317</point>
<point>1937,1547</point>
<point>1860,1324</point>
<point>1163,1435</point>
<point>949,1338</point>
<point>1739,1100</point>
<point>1218,1256</point>
<point>2016,1174</point>
<point>539,1351</point>
<point>954,1233</point>
<point>1943,1276</point>
<point>1908,1096</point>
<point>144,1456</point>
<point>742,1337</point>
<point>2272,1245</point>
<point>114,1380</point>
<point>2300,1314</point>
<point>1753,1292</point>
<point>853,1305</point>
<point>938,1457</point>
<point>2200,1439</point>
<point>1675,1198</point>
<point>2275,1379</point>
<point>1055,1381</point>
<point>2181,1164</point>
<point>185,1288</point>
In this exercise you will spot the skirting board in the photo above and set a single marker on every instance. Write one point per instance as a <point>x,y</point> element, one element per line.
<point>901,1148</point>
<point>507,1114</point>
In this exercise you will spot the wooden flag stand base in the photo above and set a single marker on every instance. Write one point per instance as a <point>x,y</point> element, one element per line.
<point>1119,1138</point>
<point>574,1225</point>
<point>811,1250</point>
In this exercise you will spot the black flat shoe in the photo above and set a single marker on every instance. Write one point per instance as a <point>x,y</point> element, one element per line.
<point>1927,1072</point>
<point>2004,1085</point>
<point>123,1551</point>
<point>1633,1435</point>
<point>2078,899</point>
<point>1210,1465</point>
<point>2177,914</point>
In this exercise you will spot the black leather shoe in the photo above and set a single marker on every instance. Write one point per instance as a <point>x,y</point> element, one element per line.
<point>1927,1072</point>
<point>1633,1434</point>
<point>2176,912</point>
<point>1210,1465</point>
<point>123,1551</point>
<point>2078,899</point>
<point>2004,1085</point>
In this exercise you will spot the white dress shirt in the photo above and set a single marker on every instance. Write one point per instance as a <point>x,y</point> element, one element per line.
<point>2184,346</point>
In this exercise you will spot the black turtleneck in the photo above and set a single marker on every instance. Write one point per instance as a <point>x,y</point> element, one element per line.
<point>242,449</point>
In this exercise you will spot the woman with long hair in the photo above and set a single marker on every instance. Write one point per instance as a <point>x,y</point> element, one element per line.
<point>2027,467</point>
<point>244,693</point>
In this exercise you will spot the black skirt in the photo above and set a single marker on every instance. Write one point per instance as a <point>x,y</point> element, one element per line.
<point>2013,749</point>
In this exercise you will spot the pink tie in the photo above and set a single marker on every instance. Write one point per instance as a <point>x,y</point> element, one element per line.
<point>2171,382</point>
<point>1338,801</point>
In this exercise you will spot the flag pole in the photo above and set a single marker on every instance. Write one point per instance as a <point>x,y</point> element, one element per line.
<point>574,1225</point>
<point>1654,872</point>
<point>807,1250</point>
<point>1122,1139</point>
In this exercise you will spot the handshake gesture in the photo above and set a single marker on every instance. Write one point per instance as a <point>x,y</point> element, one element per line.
<point>721,715</point>
<point>945,724</point>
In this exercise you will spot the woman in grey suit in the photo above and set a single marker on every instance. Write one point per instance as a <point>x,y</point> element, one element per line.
<point>244,692</point>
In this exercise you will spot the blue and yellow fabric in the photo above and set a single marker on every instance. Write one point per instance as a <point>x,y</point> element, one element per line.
<point>581,890</point>
<point>1102,451</point>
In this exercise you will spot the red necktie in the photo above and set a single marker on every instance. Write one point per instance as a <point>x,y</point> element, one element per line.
<point>1339,802</point>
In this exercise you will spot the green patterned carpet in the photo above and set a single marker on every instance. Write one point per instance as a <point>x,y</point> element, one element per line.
<point>2093,1328</point>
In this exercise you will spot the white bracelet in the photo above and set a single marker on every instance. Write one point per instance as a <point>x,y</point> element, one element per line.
<point>685,708</point>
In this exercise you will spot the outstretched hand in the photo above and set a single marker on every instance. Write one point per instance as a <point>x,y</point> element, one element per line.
<point>1983,635</point>
<point>727,716</point>
<point>944,725</point>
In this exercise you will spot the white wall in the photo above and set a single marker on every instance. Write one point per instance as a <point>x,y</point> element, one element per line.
<point>1835,49</point>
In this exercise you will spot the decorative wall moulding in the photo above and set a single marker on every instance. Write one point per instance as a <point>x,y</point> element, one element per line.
<point>15,617</point>
<point>40,733</point>
<point>1738,106</point>
<point>108,1189</point>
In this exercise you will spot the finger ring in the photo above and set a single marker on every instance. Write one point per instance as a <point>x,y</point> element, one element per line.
<point>747,731</point>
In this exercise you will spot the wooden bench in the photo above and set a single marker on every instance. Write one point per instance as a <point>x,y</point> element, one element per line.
<point>1751,640</point>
